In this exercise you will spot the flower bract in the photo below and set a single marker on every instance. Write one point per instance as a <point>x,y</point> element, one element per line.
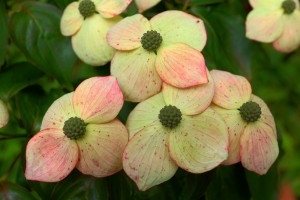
<point>145,4</point>
<point>80,130</point>
<point>158,50</point>
<point>88,21</point>
<point>4,116</point>
<point>174,128</point>
<point>252,131</point>
<point>276,21</point>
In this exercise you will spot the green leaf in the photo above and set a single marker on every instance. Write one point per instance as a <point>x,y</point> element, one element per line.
<point>194,185</point>
<point>227,45</point>
<point>120,187</point>
<point>263,187</point>
<point>3,32</point>
<point>36,31</point>
<point>32,104</point>
<point>77,186</point>
<point>62,3</point>
<point>10,190</point>
<point>204,2</point>
<point>228,184</point>
<point>17,77</point>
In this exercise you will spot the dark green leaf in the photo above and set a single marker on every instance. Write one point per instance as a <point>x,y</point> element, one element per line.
<point>194,185</point>
<point>32,105</point>
<point>204,2</point>
<point>126,109</point>
<point>62,3</point>
<point>229,183</point>
<point>11,191</point>
<point>36,31</point>
<point>17,77</point>
<point>263,187</point>
<point>227,47</point>
<point>80,187</point>
<point>120,187</point>
<point>3,32</point>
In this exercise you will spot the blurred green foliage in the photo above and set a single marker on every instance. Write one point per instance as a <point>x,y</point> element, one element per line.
<point>38,65</point>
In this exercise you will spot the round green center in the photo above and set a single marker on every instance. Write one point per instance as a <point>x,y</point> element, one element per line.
<point>74,128</point>
<point>170,116</point>
<point>250,111</point>
<point>288,6</point>
<point>151,40</point>
<point>87,8</point>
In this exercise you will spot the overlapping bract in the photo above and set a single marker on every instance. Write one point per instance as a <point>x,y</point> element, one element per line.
<point>51,155</point>
<point>89,33</point>
<point>143,5</point>
<point>198,144</point>
<point>269,22</point>
<point>177,61</point>
<point>206,135</point>
<point>252,143</point>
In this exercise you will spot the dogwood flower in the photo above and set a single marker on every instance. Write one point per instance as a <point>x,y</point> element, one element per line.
<point>174,128</point>
<point>3,114</point>
<point>252,132</point>
<point>145,4</point>
<point>276,21</point>
<point>88,21</point>
<point>149,52</point>
<point>80,130</point>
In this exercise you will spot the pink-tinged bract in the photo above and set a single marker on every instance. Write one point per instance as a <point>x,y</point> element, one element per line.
<point>269,22</point>
<point>145,4</point>
<point>181,66</point>
<point>289,39</point>
<point>173,26</point>
<point>126,35</point>
<point>71,20</point>
<point>197,144</point>
<point>4,116</point>
<point>89,43</point>
<point>230,91</point>
<point>177,60</point>
<point>100,104</point>
<point>51,155</point>
<point>259,148</point>
<point>111,8</point>
<point>200,143</point>
<point>129,76</point>
<point>192,101</point>
<point>146,159</point>
<point>254,143</point>
<point>89,33</point>
<point>101,149</point>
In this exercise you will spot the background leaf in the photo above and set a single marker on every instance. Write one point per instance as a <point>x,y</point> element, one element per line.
<point>3,32</point>
<point>35,29</point>
<point>229,183</point>
<point>10,190</point>
<point>17,77</point>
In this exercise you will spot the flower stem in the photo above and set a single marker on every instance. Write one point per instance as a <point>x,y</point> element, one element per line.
<point>185,5</point>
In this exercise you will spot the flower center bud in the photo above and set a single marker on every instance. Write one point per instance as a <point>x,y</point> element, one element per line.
<point>151,40</point>
<point>250,111</point>
<point>87,8</point>
<point>74,128</point>
<point>170,116</point>
<point>288,6</point>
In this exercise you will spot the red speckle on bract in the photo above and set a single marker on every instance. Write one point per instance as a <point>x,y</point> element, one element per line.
<point>95,163</point>
<point>136,178</point>
<point>198,21</point>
